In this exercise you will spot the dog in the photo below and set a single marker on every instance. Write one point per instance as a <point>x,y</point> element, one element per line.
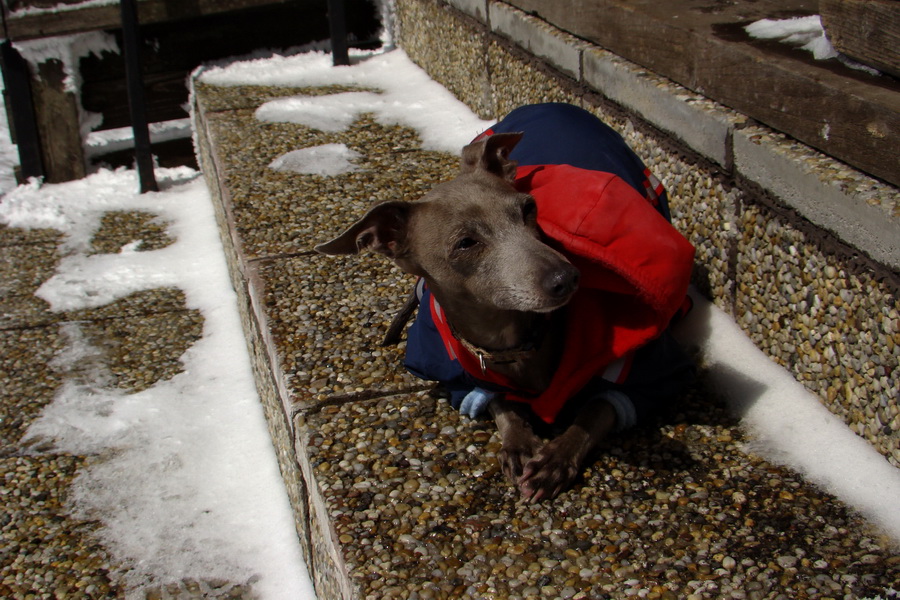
<point>548,276</point>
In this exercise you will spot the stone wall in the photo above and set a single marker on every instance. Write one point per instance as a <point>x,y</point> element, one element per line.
<point>802,250</point>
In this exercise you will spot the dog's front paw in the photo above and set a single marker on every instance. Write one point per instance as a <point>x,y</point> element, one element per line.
<point>551,472</point>
<point>516,453</point>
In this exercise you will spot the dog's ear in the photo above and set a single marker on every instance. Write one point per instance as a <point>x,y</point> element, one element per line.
<point>383,230</point>
<point>492,155</point>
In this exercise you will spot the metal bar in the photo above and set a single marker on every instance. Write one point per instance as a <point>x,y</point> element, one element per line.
<point>20,108</point>
<point>136,102</point>
<point>337,23</point>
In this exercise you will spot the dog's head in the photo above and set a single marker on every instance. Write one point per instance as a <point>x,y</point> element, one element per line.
<point>475,237</point>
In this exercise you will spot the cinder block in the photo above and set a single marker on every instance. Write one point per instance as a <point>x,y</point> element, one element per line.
<point>859,210</point>
<point>559,49</point>
<point>473,8</point>
<point>698,122</point>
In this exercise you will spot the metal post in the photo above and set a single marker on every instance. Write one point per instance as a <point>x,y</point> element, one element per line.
<point>337,23</point>
<point>23,125</point>
<point>136,103</point>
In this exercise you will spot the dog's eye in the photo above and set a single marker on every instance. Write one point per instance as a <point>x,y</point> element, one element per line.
<point>466,243</point>
<point>529,211</point>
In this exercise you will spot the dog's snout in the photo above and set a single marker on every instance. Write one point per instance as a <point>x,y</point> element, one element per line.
<point>561,283</point>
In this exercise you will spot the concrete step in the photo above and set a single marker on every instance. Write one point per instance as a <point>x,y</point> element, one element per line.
<point>802,249</point>
<point>397,496</point>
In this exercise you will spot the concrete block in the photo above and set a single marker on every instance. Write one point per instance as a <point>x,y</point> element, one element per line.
<point>537,37</point>
<point>474,8</point>
<point>859,210</point>
<point>698,122</point>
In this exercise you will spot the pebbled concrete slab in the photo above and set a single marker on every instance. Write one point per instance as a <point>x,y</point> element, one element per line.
<point>46,550</point>
<point>463,45</point>
<point>397,496</point>
<point>419,508</point>
<point>29,383</point>
<point>22,270</point>
<point>718,207</point>
<point>326,316</point>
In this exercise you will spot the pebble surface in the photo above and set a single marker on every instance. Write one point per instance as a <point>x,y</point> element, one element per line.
<point>675,510</point>
<point>836,320</point>
<point>409,491</point>
<point>319,320</point>
<point>46,552</point>
<point>836,329</point>
<point>405,498</point>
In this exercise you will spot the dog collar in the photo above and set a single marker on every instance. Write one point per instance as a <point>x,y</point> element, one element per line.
<point>501,357</point>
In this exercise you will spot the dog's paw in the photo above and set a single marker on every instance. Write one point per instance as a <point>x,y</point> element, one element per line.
<point>515,454</point>
<point>551,472</point>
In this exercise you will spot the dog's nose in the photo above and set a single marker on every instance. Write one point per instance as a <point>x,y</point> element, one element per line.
<point>562,282</point>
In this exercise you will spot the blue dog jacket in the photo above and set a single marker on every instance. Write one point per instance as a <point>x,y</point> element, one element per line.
<point>601,207</point>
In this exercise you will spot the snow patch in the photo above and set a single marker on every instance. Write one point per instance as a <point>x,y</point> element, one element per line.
<point>807,33</point>
<point>787,423</point>
<point>406,95</point>
<point>187,485</point>
<point>387,14</point>
<point>327,160</point>
<point>68,49</point>
<point>332,113</point>
<point>103,142</point>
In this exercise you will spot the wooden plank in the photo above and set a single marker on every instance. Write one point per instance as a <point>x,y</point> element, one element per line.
<point>56,113</point>
<point>24,26</point>
<point>850,115</point>
<point>14,5</point>
<point>179,46</point>
<point>173,153</point>
<point>865,30</point>
<point>166,94</point>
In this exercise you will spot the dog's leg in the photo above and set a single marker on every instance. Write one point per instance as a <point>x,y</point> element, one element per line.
<point>520,444</point>
<point>555,466</point>
<point>395,331</point>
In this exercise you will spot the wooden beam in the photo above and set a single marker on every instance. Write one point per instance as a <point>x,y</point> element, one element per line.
<point>24,26</point>
<point>846,114</point>
<point>59,124</point>
<point>865,30</point>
